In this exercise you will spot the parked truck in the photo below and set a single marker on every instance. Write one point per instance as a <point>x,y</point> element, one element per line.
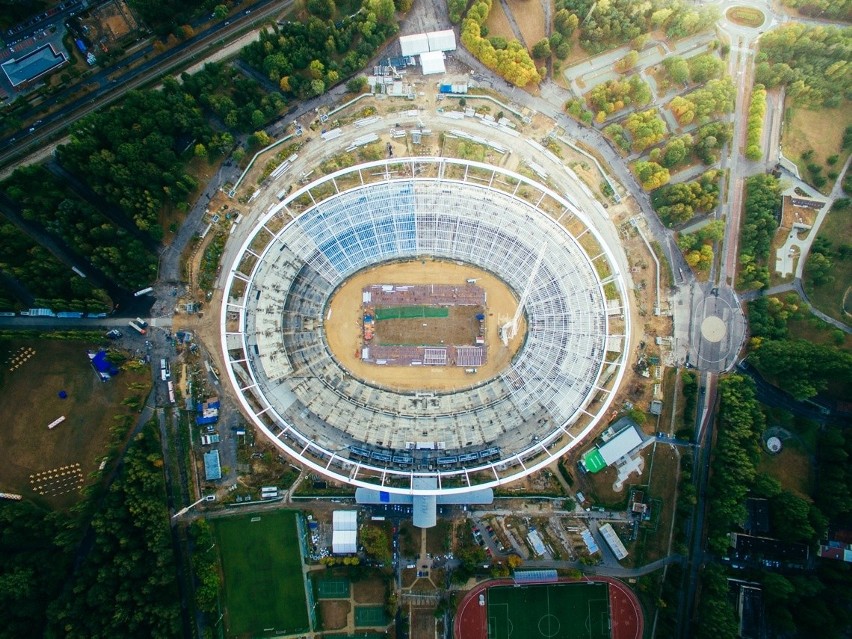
<point>136,327</point>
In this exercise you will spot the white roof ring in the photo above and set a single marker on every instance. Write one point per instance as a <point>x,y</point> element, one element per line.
<point>556,390</point>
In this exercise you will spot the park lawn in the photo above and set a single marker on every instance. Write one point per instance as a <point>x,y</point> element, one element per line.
<point>264,585</point>
<point>829,298</point>
<point>820,131</point>
<point>653,542</point>
<point>29,401</point>
<point>791,468</point>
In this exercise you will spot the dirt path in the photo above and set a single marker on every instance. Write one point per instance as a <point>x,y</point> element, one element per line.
<point>507,10</point>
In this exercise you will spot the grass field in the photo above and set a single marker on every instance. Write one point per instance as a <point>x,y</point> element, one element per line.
<point>410,312</point>
<point>29,401</point>
<point>829,298</point>
<point>437,326</point>
<point>791,467</point>
<point>819,131</point>
<point>264,586</point>
<point>568,611</point>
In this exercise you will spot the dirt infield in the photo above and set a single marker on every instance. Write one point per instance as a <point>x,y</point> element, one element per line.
<point>334,614</point>
<point>343,327</point>
<point>369,591</point>
<point>625,613</point>
<point>459,327</point>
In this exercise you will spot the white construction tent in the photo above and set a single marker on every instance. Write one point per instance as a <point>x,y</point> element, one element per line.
<point>414,44</point>
<point>432,62</point>
<point>441,40</point>
<point>344,536</point>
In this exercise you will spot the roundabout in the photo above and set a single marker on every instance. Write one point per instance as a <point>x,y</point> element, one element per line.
<point>553,377</point>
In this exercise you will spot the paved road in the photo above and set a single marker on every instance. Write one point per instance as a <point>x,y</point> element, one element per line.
<point>115,81</point>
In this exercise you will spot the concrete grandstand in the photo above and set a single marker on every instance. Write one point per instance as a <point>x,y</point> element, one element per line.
<point>554,392</point>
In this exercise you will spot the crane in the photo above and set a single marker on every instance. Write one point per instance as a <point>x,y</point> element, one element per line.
<point>510,328</point>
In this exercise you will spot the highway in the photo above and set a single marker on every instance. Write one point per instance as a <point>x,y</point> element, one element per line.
<point>114,81</point>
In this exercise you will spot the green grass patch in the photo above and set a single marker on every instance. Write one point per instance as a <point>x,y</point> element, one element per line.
<point>569,611</point>
<point>411,312</point>
<point>830,296</point>
<point>370,616</point>
<point>264,586</point>
<point>745,16</point>
<point>791,467</point>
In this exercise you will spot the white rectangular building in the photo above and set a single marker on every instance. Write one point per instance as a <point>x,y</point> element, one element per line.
<point>344,536</point>
<point>612,540</point>
<point>620,445</point>
<point>442,40</point>
<point>432,62</point>
<point>414,44</point>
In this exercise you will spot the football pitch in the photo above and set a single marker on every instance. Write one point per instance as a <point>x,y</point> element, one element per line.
<point>557,611</point>
<point>264,586</point>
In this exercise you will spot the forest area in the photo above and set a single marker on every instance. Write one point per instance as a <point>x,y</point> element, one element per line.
<point>802,603</point>
<point>120,583</point>
<point>135,155</point>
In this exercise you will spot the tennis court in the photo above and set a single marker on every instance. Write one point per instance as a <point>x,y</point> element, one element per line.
<point>370,616</point>
<point>568,611</point>
<point>332,588</point>
<point>411,312</point>
<point>264,584</point>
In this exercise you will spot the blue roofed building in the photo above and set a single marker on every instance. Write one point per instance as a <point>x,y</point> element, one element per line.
<point>33,65</point>
<point>212,468</point>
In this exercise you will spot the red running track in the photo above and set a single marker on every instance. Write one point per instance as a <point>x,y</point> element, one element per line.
<point>626,618</point>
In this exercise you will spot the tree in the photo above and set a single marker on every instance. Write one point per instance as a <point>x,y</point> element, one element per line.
<point>651,175</point>
<point>802,368</point>
<point>541,49</point>
<point>705,67</point>
<point>324,9</point>
<point>647,128</point>
<point>220,11</point>
<point>565,22</point>
<point>356,84</point>
<point>677,69</point>
<point>627,63</point>
<point>375,542</point>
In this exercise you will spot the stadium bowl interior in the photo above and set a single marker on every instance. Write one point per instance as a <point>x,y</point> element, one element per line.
<point>556,389</point>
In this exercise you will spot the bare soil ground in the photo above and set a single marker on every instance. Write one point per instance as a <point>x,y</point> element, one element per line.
<point>344,334</point>
<point>498,23</point>
<point>529,14</point>
<point>334,613</point>
<point>112,21</point>
<point>423,623</point>
<point>369,591</point>
<point>461,327</point>
<point>29,402</point>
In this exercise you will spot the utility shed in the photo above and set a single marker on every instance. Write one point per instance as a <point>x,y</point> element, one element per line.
<point>432,62</point>
<point>442,40</point>
<point>414,44</point>
<point>344,536</point>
